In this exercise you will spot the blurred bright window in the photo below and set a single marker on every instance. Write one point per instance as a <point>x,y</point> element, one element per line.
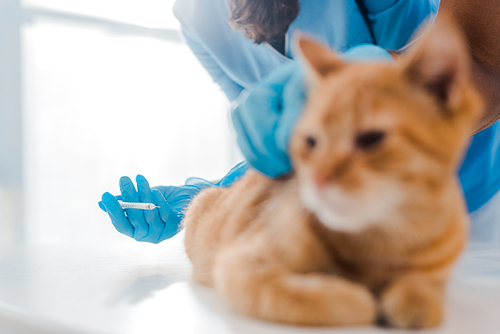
<point>109,89</point>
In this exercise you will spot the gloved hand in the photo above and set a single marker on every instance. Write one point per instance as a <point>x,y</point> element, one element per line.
<point>150,225</point>
<point>164,222</point>
<point>266,113</point>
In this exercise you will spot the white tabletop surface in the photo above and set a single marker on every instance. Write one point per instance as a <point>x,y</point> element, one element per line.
<point>133,287</point>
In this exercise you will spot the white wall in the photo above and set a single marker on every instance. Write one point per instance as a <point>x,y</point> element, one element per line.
<point>99,104</point>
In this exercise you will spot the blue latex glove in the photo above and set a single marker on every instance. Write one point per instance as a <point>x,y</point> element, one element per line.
<point>266,113</point>
<point>150,225</point>
<point>264,116</point>
<point>164,222</point>
<point>233,175</point>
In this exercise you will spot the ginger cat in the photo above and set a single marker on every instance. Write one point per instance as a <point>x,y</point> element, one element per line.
<point>370,223</point>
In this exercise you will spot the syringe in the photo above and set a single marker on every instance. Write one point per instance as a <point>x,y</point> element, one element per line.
<point>139,206</point>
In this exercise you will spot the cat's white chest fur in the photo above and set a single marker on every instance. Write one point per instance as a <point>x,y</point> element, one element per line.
<point>343,211</point>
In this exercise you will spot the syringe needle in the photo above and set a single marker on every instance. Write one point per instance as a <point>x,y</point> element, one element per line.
<point>139,206</point>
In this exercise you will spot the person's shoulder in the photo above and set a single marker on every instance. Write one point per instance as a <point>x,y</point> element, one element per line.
<point>199,12</point>
<point>378,6</point>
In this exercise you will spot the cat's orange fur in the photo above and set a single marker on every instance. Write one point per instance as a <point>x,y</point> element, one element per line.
<point>358,232</point>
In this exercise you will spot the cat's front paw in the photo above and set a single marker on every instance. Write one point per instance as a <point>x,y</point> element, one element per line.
<point>411,303</point>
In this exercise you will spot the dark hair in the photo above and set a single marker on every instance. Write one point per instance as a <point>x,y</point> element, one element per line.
<point>262,20</point>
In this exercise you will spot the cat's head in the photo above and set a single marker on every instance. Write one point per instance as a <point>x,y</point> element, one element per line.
<point>375,136</point>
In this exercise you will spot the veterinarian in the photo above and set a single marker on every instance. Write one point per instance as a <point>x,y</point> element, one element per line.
<point>246,48</point>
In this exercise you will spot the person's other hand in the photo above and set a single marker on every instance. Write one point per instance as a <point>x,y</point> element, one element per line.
<point>265,115</point>
<point>150,225</point>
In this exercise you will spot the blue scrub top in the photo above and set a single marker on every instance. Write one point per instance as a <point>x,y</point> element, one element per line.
<point>236,62</point>
<point>480,170</point>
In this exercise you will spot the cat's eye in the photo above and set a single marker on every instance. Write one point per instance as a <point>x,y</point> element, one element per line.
<point>310,142</point>
<point>369,139</point>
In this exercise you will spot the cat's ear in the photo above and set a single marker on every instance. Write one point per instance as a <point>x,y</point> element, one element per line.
<point>439,63</point>
<point>319,60</point>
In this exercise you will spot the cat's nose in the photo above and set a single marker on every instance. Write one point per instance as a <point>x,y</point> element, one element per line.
<point>330,173</point>
<point>322,180</point>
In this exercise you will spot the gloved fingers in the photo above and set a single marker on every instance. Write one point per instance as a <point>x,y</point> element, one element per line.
<point>145,196</point>
<point>171,219</point>
<point>294,99</point>
<point>234,174</point>
<point>267,159</point>
<point>152,217</point>
<point>165,211</point>
<point>294,94</point>
<point>155,232</point>
<point>259,113</point>
<point>367,52</point>
<point>116,214</point>
<point>143,189</point>
<point>135,216</point>
<point>255,120</point>
<point>245,143</point>
<point>277,78</point>
<point>127,188</point>
<point>103,207</point>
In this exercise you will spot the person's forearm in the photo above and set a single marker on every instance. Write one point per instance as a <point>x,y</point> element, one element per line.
<point>480,21</point>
